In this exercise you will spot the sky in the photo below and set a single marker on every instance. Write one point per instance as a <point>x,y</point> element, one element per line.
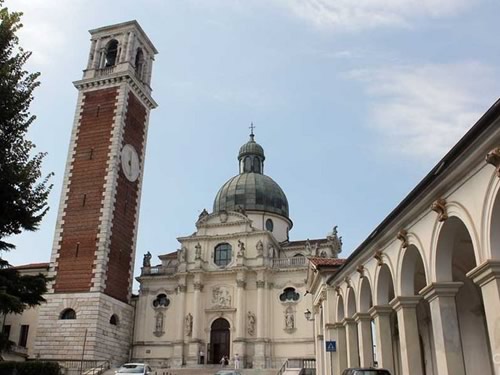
<point>353,101</point>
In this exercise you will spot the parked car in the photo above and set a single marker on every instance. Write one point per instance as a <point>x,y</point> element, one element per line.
<point>134,368</point>
<point>227,372</point>
<point>365,371</point>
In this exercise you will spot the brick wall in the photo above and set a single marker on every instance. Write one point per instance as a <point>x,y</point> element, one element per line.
<point>126,202</point>
<point>80,224</point>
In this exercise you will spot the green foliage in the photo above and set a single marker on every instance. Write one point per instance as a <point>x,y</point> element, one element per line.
<point>29,368</point>
<point>23,193</point>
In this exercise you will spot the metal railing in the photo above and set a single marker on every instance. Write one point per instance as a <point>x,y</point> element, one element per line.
<point>79,367</point>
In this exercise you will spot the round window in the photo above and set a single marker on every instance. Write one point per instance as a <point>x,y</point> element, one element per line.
<point>269,225</point>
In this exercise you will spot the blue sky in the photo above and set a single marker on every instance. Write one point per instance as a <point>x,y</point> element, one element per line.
<point>353,101</point>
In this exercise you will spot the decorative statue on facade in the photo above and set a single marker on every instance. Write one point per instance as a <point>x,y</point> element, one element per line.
<point>251,319</point>
<point>307,247</point>
<point>197,251</point>
<point>289,319</point>
<point>146,261</point>
<point>240,209</point>
<point>241,247</point>
<point>316,249</point>
<point>203,214</point>
<point>260,248</point>
<point>271,250</point>
<point>158,324</point>
<point>335,241</point>
<point>221,297</point>
<point>182,254</point>
<point>189,324</point>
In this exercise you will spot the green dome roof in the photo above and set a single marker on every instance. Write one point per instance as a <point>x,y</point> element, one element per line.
<point>253,192</point>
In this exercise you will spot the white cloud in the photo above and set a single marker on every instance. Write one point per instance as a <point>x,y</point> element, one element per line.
<point>420,112</point>
<point>354,15</point>
<point>46,25</point>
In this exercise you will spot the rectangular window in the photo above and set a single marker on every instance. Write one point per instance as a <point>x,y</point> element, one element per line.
<point>6,331</point>
<point>23,337</point>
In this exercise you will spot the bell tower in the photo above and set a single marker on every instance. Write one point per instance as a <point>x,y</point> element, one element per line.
<point>92,261</point>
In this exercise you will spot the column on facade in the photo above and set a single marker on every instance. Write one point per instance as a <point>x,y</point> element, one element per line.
<point>364,321</point>
<point>487,277</point>
<point>197,313</point>
<point>381,316</point>
<point>340,356</point>
<point>91,54</point>
<point>411,355</point>
<point>97,55</point>
<point>445,327</point>
<point>261,308</point>
<point>351,333</point>
<point>129,46</point>
<point>240,307</point>
<point>182,312</point>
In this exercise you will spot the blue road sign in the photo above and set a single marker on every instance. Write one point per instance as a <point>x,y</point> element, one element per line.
<point>331,346</point>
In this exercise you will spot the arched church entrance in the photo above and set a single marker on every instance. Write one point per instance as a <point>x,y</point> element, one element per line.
<point>220,340</point>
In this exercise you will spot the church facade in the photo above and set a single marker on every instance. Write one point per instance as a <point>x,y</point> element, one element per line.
<point>236,287</point>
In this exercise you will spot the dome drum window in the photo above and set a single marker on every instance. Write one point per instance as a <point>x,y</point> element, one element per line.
<point>269,225</point>
<point>289,295</point>
<point>161,301</point>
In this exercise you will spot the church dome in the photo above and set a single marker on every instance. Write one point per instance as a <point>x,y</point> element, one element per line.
<point>251,189</point>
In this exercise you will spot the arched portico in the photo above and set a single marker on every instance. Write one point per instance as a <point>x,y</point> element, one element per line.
<point>456,305</point>
<point>364,320</point>
<point>384,319</point>
<point>351,330</point>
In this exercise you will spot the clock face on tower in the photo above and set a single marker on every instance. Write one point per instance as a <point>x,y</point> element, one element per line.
<point>130,162</point>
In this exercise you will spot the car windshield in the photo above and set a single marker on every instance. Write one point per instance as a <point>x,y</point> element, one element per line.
<point>131,369</point>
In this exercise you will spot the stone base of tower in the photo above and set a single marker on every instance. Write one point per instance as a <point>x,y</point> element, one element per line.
<point>62,339</point>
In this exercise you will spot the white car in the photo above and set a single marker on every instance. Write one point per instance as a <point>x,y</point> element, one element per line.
<point>134,368</point>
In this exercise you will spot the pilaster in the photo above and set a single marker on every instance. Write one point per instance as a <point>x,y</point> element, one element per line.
<point>382,317</point>
<point>364,321</point>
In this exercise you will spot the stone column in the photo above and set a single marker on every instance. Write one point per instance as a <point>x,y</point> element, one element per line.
<point>364,321</point>
<point>97,54</point>
<point>260,345</point>
<point>445,327</point>
<point>340,356</point>
<point>239,344</point>
<point>196,343</point>
<point>382,318</point>
<point>351,332</point>
<point>130,47</point>
<point>487,276</point>
<point>411,356</point>
<point>178,357</point>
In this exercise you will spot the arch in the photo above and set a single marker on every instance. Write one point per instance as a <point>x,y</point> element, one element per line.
<point>384,285</point>
<point>492,225</point>
<point>289,295</point>
<point>455,212</point>
<point>67,314</point>
<point>351,303</point>
<point>111,53</point>
<point>220,340</point>
<point>340,308</point>
<point>139,62</point>
<point>412,273</point>
<point>114,320</point>
<point>365,299</point>
<point>454,240</point>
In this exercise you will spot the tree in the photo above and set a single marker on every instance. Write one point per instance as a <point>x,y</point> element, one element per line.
<point>23,193</point>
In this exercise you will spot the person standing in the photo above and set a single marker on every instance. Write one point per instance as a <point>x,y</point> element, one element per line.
<point>237,361</point>
<point>202,357</point>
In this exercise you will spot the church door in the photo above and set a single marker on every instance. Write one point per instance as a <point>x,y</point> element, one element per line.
<point>220,340</point>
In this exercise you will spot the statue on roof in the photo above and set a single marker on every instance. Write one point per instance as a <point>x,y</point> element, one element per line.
<point>335,241</point>
<point>146,261</point>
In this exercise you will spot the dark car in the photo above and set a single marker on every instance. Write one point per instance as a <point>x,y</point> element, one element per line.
<point>365,371</point>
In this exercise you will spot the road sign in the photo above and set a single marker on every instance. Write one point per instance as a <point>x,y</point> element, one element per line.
<point>331,346</point>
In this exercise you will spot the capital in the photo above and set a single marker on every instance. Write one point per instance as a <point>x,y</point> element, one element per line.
<point>362,317</point>
<point>485,272</point>
<point>380,310</point>
<point>443,289</point>
<point>403,302</point>
<point>260,284</point>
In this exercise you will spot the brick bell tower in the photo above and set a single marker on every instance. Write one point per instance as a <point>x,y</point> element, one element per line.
<point>92,260</point>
